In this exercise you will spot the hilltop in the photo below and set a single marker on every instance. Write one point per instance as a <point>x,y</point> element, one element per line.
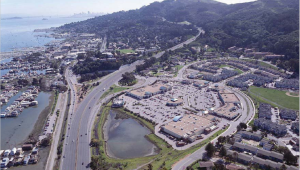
<point>267,25</point>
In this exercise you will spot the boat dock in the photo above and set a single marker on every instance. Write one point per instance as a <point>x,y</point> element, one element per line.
<point>27,99</point>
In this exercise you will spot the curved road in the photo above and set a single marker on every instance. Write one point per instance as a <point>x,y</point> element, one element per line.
<point>247,115</point>
<point>76,149</point>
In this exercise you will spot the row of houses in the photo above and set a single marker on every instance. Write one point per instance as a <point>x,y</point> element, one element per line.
<point>288,114</point>
<point>258,156</point>
<point>269,126</point>
<point>264,111</point>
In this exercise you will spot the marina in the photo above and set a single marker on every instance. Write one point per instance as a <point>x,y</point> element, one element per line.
<point>26,99</point>
<point>15,130</point>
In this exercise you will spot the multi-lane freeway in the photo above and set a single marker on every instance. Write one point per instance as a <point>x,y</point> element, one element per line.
<point>76,150</point>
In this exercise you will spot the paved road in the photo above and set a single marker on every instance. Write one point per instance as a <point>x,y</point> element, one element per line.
<point>182,164</point>
<point>61,105</point>
<point>76,150</point>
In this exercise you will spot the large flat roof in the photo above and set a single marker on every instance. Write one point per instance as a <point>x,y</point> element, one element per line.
<point>188,124</point>
<point>225,110</point>
<point>229,97</point>
<point>152,89</point>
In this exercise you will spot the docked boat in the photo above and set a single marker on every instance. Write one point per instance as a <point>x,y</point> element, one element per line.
<point>25,103</point>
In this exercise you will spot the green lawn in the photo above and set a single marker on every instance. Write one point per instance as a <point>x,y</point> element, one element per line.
<point>126,51</point>
<point>223,65</point>
<point>236,69</point>
<point>113,89</point>
<point>274,97</point>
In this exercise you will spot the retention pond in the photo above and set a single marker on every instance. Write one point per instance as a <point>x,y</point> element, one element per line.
<point>126,138</point>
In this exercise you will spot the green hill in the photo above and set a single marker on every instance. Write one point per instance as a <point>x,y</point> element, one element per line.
<point>268,25</point>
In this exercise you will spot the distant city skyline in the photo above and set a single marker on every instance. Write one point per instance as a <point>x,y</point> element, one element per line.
<point>11,8</point>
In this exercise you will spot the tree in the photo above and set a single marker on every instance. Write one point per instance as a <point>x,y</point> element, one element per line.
<point>235,156</point>
<point>23,82</point>
<point>221,139</point>
<point>63,88</point>
<point>127,79</point>
<point>283,167</point>
<point>238,128</point>
<point>223,151</point>
<point>210,149</point>
<point>219,167</point>
<point>35,82</point>
<point>45,141</point>
<point>243,125</point>
<point>289,157</point>
<point>256,166</point>
<point>95,142</point>
<point>254,128</point>
<point>150,166</point>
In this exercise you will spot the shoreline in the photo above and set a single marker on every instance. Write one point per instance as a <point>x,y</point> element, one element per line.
<point>39,124</point>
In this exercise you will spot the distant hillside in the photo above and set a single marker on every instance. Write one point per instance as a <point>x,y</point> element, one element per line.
<point>11,18</point>
<point>268,25</point>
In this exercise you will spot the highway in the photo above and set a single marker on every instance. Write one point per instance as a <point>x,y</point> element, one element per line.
<point>76,150</point>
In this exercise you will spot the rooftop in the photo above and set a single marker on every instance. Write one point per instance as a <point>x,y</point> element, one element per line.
<point>188,124</point>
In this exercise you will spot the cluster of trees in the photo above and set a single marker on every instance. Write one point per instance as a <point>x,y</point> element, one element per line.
<point>128,79</point>
<point>268,25</point>
<point>34,57</point>
<point>136,27</point>
<point>148,63</point>
<point>92,76</point>
<point>91,66</point>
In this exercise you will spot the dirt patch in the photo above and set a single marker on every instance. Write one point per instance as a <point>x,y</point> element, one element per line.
<point>289,94</point>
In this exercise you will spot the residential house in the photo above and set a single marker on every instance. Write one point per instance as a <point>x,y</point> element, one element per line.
<point>244,158</point>
<point>264,111</point>
<point>288,114</point>
<point>269,126</point>
<point>208,165</point>
<point>249,135</point>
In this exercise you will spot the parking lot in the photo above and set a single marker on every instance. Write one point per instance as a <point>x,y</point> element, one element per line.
<point>155,109</point>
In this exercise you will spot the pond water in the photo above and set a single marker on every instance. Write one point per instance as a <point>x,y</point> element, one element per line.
<point>126,138</point>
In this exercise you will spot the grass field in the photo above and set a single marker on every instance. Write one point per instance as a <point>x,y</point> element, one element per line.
<point>238,70</point>
<point>113,89</point>
<point>126,51</point>
<point>167,156</point>
<point>235,69</point>
<point>274,97</point>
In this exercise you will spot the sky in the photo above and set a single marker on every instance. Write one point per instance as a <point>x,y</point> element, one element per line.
<point>69,7</point>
